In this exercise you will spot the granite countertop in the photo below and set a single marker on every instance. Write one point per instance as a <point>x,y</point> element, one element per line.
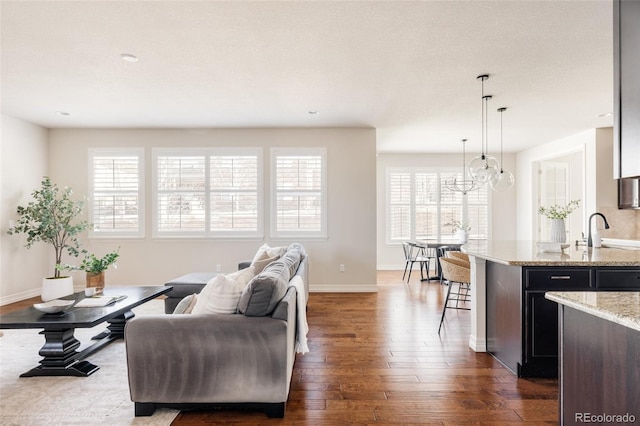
<point>620,307</point>
<point>526,253</point>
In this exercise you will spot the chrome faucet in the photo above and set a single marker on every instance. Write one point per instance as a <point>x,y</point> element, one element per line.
<point>606,226</point>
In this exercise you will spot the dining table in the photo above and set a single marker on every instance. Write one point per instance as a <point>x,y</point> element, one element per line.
<point>441,246</point>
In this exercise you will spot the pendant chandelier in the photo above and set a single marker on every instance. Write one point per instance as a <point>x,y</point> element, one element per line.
<point>503,180</point>
<point>462,184</point>
<point>484,167</point>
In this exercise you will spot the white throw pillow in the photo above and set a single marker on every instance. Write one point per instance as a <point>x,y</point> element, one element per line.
<point>222,292</point>
<point>265,255</point>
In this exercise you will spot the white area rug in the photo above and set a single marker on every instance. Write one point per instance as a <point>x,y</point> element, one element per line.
<point>100,399</point>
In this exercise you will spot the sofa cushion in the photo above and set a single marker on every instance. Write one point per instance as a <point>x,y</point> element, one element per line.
<point>266,289</point>
<point>222,292</point>
<point>185,306</point>
<point>265,255</point>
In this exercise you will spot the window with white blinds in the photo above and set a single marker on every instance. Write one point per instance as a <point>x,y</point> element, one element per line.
<point>419,206</point>
<point>213,192</point>
<point>299,202</point>
<point>116,192</point>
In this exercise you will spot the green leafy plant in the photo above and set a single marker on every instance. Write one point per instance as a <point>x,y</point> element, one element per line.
<point>94,265</point>
<point>52,217</point>
<point>458,224</point>
<point>559,212</point>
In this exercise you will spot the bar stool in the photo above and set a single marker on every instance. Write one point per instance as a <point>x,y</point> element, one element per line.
<point>442,252</point>
<point>458,255</point>
<point>455,271</point>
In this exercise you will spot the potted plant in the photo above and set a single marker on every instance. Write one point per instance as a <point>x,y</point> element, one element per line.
<point>558,214</point>
<point>95,267</point>
<point>461,229</point>
<point>52,217</point>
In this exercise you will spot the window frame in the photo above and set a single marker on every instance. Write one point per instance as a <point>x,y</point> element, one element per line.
<point>138,152</point>
<point>207,233</point>
<point>322,233</point>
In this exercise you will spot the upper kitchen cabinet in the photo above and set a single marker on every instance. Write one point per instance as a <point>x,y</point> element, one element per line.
<point>626,51</point>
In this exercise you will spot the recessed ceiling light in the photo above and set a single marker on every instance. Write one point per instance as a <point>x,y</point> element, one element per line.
<point>312,112</point>
<point>129,57</point>
<point>606,114</point>
<point>63,113</point>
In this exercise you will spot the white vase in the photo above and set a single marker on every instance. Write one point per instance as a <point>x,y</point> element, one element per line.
<point>558,232</point>
<point>463,236</point>
<point>55,288</point>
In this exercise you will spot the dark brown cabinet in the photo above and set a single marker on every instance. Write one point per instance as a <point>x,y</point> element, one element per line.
<point>600,373</point>
<point>540,342</point>
<point>626,52</point>
<point>628,193</point>
<point>522,326</point>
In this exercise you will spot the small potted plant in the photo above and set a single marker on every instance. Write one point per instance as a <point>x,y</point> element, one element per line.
<point>558,214</point>
<point>95,267</point>
<point>52,218</point>
<point>460,228</point>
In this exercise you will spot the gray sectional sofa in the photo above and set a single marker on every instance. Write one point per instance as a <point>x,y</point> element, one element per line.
<point>195,361</point>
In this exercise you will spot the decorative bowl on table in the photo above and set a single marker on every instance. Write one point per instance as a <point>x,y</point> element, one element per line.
<point>56,306</point>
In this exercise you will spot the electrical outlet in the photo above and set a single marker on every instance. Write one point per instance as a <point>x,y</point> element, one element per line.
<point>218,267</point>
<point>342,267</point>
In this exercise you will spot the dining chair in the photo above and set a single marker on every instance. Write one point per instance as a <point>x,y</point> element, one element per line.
<point>414,254</point>
<point>455,271</point>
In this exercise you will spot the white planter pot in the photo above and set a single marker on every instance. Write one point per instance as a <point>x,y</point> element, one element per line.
<point>463,236</point>
<point>55,288</point>
<point>558,232</point>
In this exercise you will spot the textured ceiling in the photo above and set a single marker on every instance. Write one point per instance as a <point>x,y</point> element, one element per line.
<point>407,69</point>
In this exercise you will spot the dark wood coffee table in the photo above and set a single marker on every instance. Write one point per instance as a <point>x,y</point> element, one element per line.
<point>60,357</point>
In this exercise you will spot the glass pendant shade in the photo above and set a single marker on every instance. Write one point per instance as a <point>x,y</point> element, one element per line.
<point>483,168</point>
<point>502,181</point>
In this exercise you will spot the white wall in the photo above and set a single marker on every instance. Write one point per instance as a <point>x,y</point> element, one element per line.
<point>23,163</point>
<point>351,204</point>
<point>502,211</point>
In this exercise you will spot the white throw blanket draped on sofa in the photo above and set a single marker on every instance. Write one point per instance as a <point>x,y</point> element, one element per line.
<point>302,325</point>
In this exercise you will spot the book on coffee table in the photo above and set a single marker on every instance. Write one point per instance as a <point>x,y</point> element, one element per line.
<point>97,301</point>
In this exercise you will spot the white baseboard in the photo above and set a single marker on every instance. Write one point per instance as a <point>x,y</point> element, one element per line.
<point>17,297</point>
<point>390,267</point>
<point>343,288</point>
<point>478,345</point>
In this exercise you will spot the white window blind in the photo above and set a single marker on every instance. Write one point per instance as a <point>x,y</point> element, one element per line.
<point>116,192</point>
<point>181,193</point>
<point>234,193</point>
<point>399,189</point>
<point>419,206</point>
<point>212,192</point>
<point>299,191</point>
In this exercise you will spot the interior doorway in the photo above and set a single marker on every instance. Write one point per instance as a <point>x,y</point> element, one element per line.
<point>560,180</point>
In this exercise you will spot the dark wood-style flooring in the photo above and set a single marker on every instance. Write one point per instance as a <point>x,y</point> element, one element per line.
<point>376,358</point>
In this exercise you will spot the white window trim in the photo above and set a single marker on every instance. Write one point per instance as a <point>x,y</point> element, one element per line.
<point>307,235</point>
<point>412,207</point>
<point>139,152</point>
<point>207,233</point>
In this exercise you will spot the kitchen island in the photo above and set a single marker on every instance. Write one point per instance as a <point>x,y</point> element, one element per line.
<point>512,320</point>
<point>599,334</point>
